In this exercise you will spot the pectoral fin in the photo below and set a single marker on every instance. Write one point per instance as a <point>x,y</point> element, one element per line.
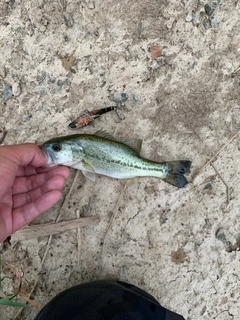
<point>87,170</point>
<point>89,175</point>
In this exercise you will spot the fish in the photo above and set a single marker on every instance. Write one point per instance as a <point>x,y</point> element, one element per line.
<point>101,154</point>
<point>89,116</point>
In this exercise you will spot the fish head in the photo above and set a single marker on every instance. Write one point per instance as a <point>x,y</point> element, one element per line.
<point>62,150</point>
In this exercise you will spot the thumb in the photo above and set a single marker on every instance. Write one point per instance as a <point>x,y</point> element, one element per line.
<point>24,154</point>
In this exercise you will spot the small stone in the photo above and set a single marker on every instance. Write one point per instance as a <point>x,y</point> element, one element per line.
<point>117,100</point>
<point>7,92</point>
<point>161,61</point>
<point>120,99</point>
<point>65,38</point>
<point>170,22</point>
<point>91,5</point>
<point>16,89</point>
<point>196,18</point>
<point>2,71</point>
<point>156,52</point>
<point>207,25</point>
<point>210,8</point>
<point>44,22</point>
<point>189,17</point>
<point>227,68</point>
<point>124,96</point>
<point>68,19</point>
<point>51,79</point>
<point>63,4</point>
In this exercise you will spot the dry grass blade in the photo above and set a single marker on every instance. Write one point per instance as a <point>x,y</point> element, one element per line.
<point>29,300</point>
<point>236,71</point>
<point>17,273</point>
<point>79,239</point>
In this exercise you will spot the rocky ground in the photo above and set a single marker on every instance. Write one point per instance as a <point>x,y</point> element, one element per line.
<point>59,58</point>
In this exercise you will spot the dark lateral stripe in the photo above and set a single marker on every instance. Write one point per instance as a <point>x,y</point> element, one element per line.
<point>127,165</point>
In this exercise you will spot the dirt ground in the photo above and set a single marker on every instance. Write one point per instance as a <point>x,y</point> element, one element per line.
<point>59,58</point>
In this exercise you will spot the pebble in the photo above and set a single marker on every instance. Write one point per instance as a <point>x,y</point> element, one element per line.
<point>196,18</point>
<point>124,96</point>
<point>170,22</point>
<point>2,71</point>
<point>189,17</point>
<point>207,25</point>
<point>7,92</point>
<point>91,5</point>
<point>227,68</point>
<point>210,8</point>
<point>16,89</point>
<point>68,19</point>
<point>120,99</point>
<point>161,61</point>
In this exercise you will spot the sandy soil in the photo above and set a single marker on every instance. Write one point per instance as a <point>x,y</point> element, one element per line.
<point>59,58</point>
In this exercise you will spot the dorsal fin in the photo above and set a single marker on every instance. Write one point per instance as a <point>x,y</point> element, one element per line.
<point>103,134</point>
<point>135,144</point>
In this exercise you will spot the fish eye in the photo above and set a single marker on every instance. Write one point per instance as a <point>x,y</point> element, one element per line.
<point>56,147</point>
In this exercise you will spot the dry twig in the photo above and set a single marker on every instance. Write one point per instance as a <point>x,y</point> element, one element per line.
<point>236,71</point>
<point>51,228</point>
<point>4,133</point>
<point>79,239</point>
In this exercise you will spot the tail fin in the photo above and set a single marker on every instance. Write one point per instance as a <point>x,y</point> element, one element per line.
<point>176,173</point>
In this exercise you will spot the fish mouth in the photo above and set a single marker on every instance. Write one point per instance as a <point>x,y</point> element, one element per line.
<point>51,158</point>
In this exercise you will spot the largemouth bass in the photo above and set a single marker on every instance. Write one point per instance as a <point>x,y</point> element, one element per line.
<point>99,154</point>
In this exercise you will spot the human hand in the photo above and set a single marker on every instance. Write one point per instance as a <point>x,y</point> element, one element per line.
<point>26,189</point>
